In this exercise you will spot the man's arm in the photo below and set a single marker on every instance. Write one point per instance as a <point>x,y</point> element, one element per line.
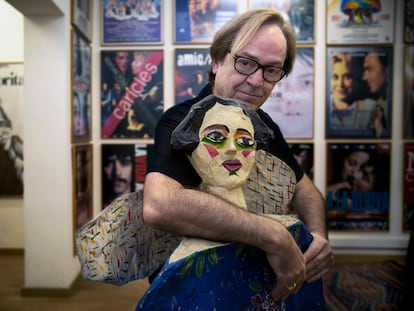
<point>310,206</point>
<point>187,212</point>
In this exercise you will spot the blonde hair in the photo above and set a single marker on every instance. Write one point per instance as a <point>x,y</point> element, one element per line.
<point>239,31</point>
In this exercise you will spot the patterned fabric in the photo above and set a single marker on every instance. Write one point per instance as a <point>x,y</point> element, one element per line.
<point>228,277</point>
<point>117,247</point>
<point>270,186</point>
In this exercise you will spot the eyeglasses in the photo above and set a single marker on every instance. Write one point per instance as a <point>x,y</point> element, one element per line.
<point>247,66</point>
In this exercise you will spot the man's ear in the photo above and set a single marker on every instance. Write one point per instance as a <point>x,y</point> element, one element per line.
<point>214,66</point>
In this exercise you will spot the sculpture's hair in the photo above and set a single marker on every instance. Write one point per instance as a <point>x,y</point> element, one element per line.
<point>186,137</point>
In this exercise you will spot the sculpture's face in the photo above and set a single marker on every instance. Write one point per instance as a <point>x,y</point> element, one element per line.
<point>226,152</point>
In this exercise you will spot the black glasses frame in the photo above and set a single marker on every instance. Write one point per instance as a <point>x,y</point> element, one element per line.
<point>259,66</point>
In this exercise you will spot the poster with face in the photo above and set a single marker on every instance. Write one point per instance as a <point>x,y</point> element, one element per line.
<point>123,169</point>
<point>359,92</point>
<point>11,129</point>
<point>291,103</point>
<point>132,93</point>
<point>303,153</point>
<point>358,186</point>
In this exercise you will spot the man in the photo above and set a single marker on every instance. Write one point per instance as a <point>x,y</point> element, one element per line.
<point>376,75</point>
<point>118,172</point>
<point>249,56</point>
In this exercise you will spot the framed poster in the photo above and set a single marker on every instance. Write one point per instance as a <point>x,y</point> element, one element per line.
<point>300,14</point>
<point>125,22</point>
<point>358,186</point>
<point>81,113</point>
<point>11,129</point>
<point>408,97</point>
<point>303,153</point>
<point>196,21</point>
<point>191,72</point>
<point>82,167</point>
<point>360,22</point>
<point>408,186</point>
<point>123,169</point>
<point>359,92</point>
<point>409,21</point>
<point>132,93</point>
<point>81,16</point>
<point>291,103</point>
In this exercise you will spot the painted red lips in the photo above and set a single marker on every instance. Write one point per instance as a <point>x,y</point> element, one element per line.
<point>232,165</point>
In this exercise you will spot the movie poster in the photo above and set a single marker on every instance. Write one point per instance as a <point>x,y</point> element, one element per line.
<point>358,186</point>
<point>359,92</point>
<point>408,187</point>
<point>196,21</point>
<point>191,72</point>
<point>409,21</point>
<point>123,169</point>
<point>300,14</point>
<point>126,22</point>
<point>303,153</point>
<point>359,21</point>
<point>290,104</point>
<point>11,129</point>
<point>82,166</point>
<point>408,124</point>
<point>132,93</point>
<point>81,125</point>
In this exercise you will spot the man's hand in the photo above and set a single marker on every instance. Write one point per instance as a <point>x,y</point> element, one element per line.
<point>319,258</point>
<point>288,263</point>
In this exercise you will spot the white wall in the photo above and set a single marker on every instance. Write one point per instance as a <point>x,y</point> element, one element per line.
<point>11,210</point>
<point>47,237</point>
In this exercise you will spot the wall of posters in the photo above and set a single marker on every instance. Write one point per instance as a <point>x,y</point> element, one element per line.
<point>358,186</point>
<point>197,21</point>
<point>408,186</point>
<point>300,13</point>
<point>191,72</point>
<point>408,124</point>
<point>359,92</point>
<point>131,22</point>
<point>359,22</point>
<point>132,93</point>
<point>123,169</point>
<point>291,103</point>
<point>11,129</point>
<point>81,89</point>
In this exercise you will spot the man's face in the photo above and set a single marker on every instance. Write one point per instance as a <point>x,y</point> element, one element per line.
<point>121,60</point>
<point>374,73</point>
<point>268,47</point>
<point>226,152</point>
<point>118,170</point>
